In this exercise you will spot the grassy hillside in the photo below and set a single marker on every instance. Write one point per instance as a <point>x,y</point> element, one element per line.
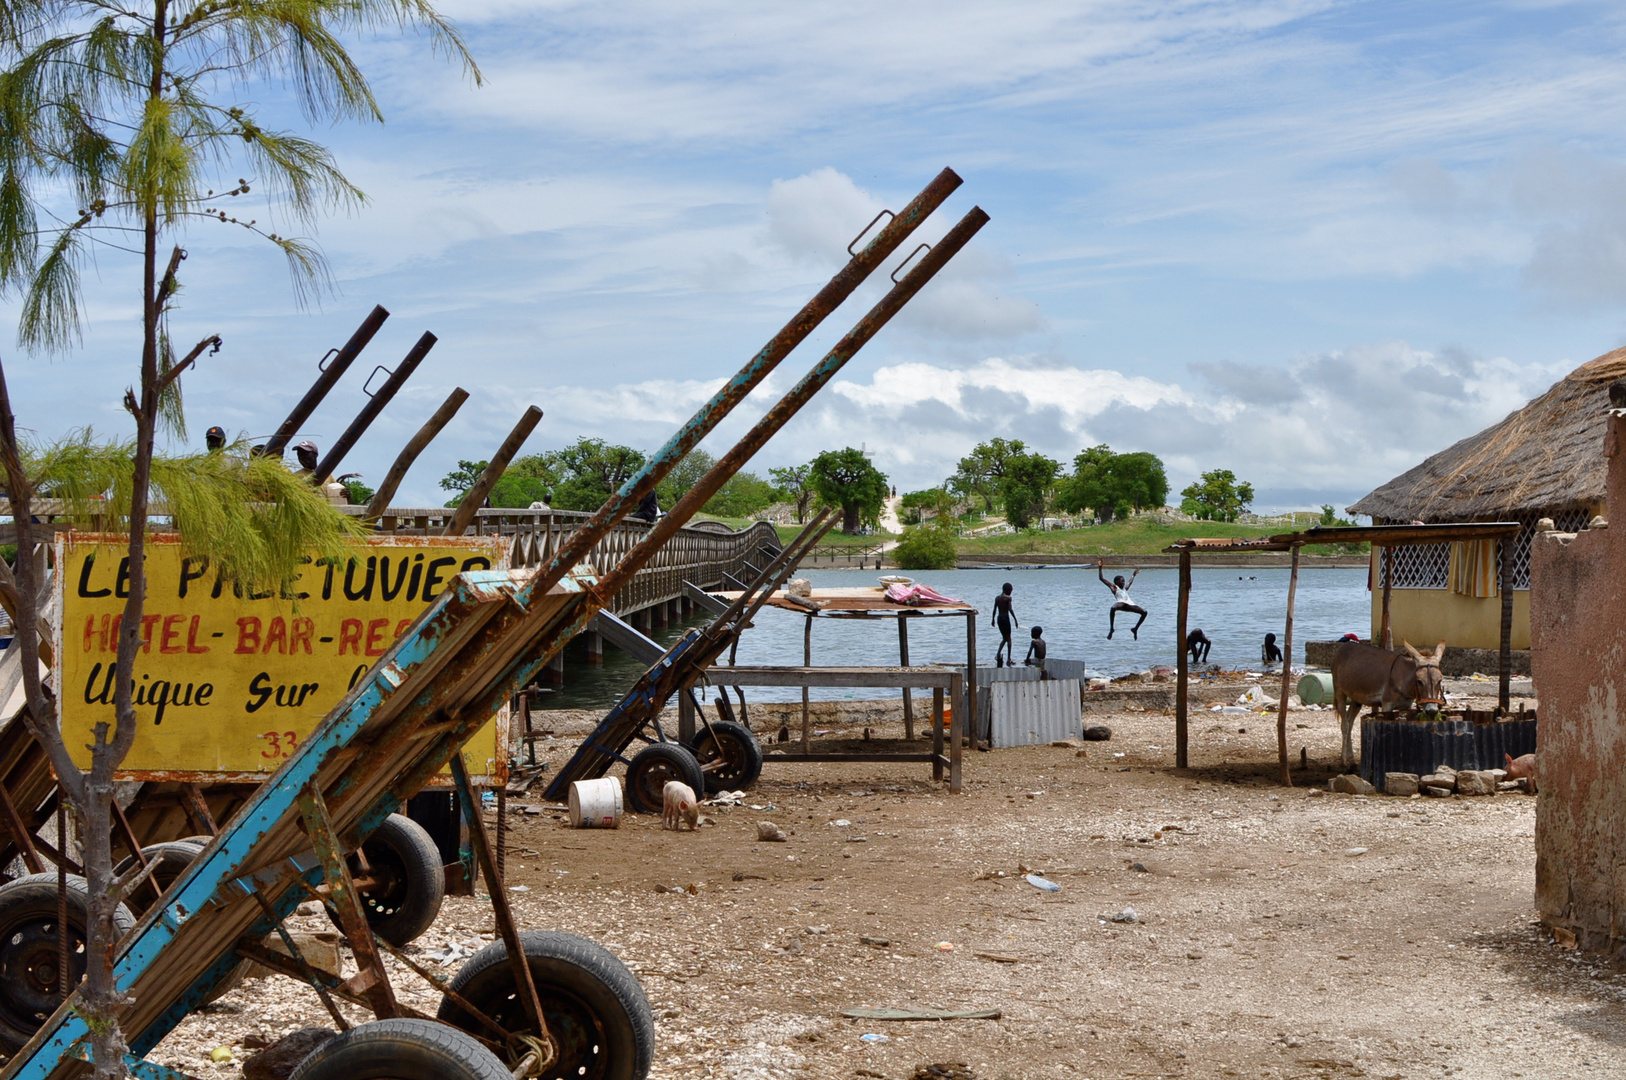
<point>1138,536</point>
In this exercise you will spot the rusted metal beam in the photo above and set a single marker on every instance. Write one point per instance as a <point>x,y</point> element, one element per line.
<point>476,496</point>
<point>518,962</point>
<point>340,361</point>
<point>305,970</point>
<point>409,453</point>
<point>375,405</point>
<point>664,460</point>
<point>799,395</point>
<point>20,834</point>
<point>371,981</point>
<point>197,808</point>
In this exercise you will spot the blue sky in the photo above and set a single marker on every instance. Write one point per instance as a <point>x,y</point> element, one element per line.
<point>1309,241</point>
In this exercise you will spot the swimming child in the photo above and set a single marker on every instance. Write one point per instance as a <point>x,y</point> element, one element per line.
<point>1004,618</point>
<point>1269,653</point>
<point>1120,600</point>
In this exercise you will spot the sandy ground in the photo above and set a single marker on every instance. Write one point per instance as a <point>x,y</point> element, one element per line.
<point>1277,934</point>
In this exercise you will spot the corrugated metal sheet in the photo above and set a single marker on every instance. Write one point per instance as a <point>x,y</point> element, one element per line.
<point>1416,747</point>
<point>987,676</point>
<point>1025,713</point>
<point>1057,668</point>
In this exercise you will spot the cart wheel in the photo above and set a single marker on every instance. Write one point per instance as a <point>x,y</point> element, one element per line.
<point>401,1049</point>
<point>29,990</point>
<point>407,884</point>
<point>653,766</point>
<point>594,1007</point>
<point>172,858</point>
<point>736,751</point>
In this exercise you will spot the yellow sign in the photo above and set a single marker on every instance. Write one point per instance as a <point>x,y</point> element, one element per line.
<point>229,682</point>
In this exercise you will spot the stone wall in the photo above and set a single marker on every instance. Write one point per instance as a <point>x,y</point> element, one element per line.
<point>1578,634</point>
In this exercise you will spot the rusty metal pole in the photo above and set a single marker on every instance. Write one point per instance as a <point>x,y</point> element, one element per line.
<point>583,539</point>
<point>409,453</point>
<point>342,358</point>
<point>375,405</point>
<point>476,496</point>
<point>787,407</point>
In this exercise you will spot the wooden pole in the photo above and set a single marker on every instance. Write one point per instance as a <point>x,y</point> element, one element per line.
<point>409,453</point>
<point>1181,699</point>
<point>807,661</point>
<point>1385,637</point>
<point>903,659</point>
<point>1287,671</point>
<point>1504,661</point>
<point>482,487</point>
<point>969,726</point>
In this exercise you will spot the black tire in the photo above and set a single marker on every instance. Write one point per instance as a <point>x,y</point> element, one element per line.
<point>739,752</point>
<point>29,993</point>
<point>653,767</point>
<point>409,883</point>
<point>172,857</point>
<point>593,1005</point>
<point>401,1049</point>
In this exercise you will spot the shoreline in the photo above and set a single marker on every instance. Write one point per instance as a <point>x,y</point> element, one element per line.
<point>1161,560</point>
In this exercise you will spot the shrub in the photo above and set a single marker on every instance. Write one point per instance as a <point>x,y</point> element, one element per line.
<point>925,547</point>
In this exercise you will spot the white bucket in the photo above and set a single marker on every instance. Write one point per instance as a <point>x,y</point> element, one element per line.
<point>596,804</point>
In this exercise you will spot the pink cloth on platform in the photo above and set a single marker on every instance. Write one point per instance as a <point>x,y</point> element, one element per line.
<point>917,595</point>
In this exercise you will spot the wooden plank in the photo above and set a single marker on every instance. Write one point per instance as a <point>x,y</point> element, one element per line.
<point>1287,673</point>
<point>1181,691</point>
<point>930,758</point>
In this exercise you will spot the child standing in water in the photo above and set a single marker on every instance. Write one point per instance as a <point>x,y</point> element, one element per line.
<point>1004,619</point>
<point>1120,600</point>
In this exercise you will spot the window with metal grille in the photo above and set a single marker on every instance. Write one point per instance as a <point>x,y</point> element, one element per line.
<point>1428,566</point>
<point>1418,566</point>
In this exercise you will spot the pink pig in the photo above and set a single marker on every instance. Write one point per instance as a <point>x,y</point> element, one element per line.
<point>1525,767</point>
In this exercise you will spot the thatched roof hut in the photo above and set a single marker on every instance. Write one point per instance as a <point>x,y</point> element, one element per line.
<point>1546,459</point>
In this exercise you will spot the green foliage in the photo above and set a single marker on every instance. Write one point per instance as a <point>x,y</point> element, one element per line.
<point>251,517</point>
<point>1217,496</point>
<point>358,493</point>
<point>589,471</point>
<point>745,493</point>
<point>1025,487</point>
<point>793,487</point>
<point>929,499</point>
<point>927,547</point>
<point>146,114</point>
<point>980,472</point>
<point>696,464</point>
<point>460,479</point>
<point>1112,484</point>
<point>845,478</point>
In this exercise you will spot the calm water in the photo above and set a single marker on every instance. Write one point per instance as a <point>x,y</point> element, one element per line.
<point>1236,608</point>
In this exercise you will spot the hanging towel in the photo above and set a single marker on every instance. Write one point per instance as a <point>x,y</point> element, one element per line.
<point>1473,568</point>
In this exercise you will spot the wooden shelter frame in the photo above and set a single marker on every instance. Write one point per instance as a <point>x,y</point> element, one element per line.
<point>1383,537</point>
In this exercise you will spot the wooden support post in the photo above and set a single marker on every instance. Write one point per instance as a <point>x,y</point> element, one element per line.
<point>937,732</point>
<point>595,646</point>
<point>903,659</point>
<point>957,728</point>
<point>197,807</point>
<point>1181,692</point>
<point>1287,672</point>
<point>371,980</point>
<point>1504,660</point>
<point>1385,635</point>
<point>20,834</point>
<point>686,727</point>
<point>524,983</point>
<point>970,695</point>
<point>807,661</point>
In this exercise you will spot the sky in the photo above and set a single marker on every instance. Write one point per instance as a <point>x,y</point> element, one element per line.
<point>1309,241</point>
